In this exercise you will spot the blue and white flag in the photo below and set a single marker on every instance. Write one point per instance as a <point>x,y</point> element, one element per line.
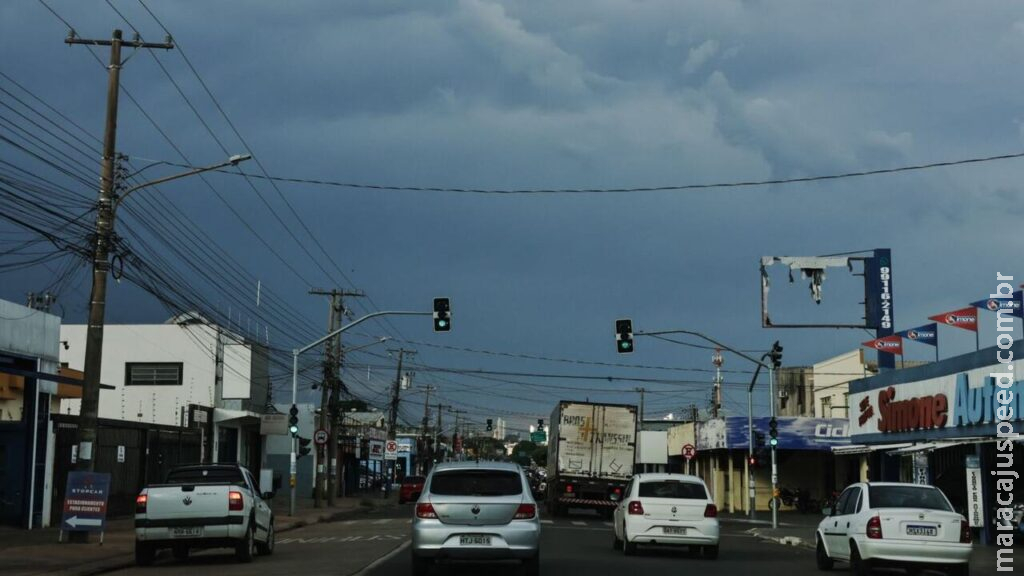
<point>927,334</point>
<point>1014,304</point>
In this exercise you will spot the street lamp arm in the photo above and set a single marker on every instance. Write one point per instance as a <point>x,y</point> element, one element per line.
<point>759,363</point>
<point>359,321</point>
<point>233,161</point>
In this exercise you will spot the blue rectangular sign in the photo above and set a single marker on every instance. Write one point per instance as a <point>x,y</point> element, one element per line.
<point>85,502</point>
<point>794,433</point>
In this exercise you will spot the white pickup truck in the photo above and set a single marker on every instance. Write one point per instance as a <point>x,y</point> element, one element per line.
<point>204,506</point>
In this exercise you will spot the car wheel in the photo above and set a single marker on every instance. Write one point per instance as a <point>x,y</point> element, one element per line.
<point>858,566</point>
<point>711,552</point>
<point>628,548</point>
<point>180,552</point>
<point>246,547</point>
<point>616,542</point>
<point>821,556</point>
<point>420,566</point>
<point>144,553</point>
<point>267,548</point>
<point>531,566</point>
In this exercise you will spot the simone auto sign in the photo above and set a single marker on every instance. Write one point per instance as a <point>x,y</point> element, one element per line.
<point>961,400</point>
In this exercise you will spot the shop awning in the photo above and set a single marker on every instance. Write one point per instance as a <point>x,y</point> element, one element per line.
<point>865,448</point>
<point>938,445</point>
<point>239,417</point>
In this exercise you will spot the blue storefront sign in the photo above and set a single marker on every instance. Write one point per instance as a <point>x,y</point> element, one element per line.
<point>794,433</point>
<point>85,502</point>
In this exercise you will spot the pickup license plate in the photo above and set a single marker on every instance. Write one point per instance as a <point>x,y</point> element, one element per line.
<point>674,530</point>
<point>922,531</point>
<point>474,540</point>
<point>193,532</point>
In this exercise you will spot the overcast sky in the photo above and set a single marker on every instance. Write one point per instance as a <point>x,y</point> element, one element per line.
<point>527,95</point>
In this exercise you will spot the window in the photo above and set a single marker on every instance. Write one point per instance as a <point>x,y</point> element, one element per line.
<point>152,374</point>
<point>843,499</point>
<point>413,480</point>
<point>477,483</point>
<point>211,475</point>
<point>925,497</point>
<point>673,489</point>
<point>850,506</point>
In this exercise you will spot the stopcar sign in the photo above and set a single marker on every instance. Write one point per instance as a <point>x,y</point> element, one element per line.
<point>85,501</point>
<point>689,451</point>
<point>320,437</point>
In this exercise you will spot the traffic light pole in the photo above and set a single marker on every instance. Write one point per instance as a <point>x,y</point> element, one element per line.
<point>295,383</point>
<point>771,443</point>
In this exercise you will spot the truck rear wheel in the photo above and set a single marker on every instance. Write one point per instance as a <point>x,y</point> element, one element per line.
<point>144,553</point>
<point>246,547</point>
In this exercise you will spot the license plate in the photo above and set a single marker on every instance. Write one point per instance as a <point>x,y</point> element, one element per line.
<point>673,530</point>
<point>922,531</point>
<point>195,532</point>
<point>474,540</point>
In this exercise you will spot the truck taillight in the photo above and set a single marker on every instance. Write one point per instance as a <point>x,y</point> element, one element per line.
<point>569,488</point>
<point>875,528</point>
<point>635,507</point>
<point>425,511</point>
<point>525,512</point>
<point>235,502</point>
<point>965,532</point>
<point>711,511</point>
<point>140,503</point>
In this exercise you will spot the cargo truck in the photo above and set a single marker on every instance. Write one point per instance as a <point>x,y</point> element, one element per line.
<point>591,451</point>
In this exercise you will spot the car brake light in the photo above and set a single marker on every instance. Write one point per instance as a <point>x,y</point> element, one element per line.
<point>965,532</point>
<point>569,488</point>
<point>875,528</point>
<point>711,511</point>
<point>140,503</point>
<point>425,511</point>
<point>525,512</point>
<point>235,502</point>
<point>635,507</point>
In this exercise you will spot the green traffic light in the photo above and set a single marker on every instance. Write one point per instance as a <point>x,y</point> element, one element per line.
<point>774,441</point>
<point>294,429</point>
<point>442,323</point>
<point>624,345</point>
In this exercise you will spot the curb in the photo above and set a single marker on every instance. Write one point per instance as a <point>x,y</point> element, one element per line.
<point>128,561</point>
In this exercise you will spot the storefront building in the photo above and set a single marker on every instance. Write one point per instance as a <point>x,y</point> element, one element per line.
<point>937,424</point>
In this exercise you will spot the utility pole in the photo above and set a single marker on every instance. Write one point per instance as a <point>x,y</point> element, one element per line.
<point>326,472</point>
<point>716,402</point>
<point>89,412</point>
<point>458,431</point>
<point>393,416</point>
<point>424,431</point>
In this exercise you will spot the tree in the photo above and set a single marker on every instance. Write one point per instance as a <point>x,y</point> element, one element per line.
<point>540,456</point>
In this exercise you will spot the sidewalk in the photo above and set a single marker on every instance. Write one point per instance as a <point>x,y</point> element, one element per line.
<point>35,552</point>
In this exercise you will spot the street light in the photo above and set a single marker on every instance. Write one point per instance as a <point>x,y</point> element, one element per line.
<point>750,405</point>
<point>89,410</point>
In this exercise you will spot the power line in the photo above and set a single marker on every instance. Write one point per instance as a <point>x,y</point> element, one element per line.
<point>671,188</point>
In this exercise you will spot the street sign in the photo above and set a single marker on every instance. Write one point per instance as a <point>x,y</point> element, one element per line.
<point>689,451</point>
<point>273,424</point>
<point>85,502</point>
<point>376,449</point>
<point>538,437</point>
<point>320,437</point>
<point>391,450</point>
<point>120,454</point>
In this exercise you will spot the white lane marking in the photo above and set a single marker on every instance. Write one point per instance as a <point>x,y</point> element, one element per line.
<point>382,521</point>
<point>608,524</point>
<point>383,559</point>
<point>578,523</point>
<point>409,521</point>
<point>326,539</point>
<point>547,521</point>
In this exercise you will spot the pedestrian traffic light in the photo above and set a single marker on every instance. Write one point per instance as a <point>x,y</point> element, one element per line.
<point>773,432</point>
<point>304,448</point>
<point>752,461</point>
<point>759,439</point>
<point>624,336</point>
<point>540,423</point>
<point>490,425</point>
<point>776,355</point>
<point>442,315</point>
<point>293,420</point>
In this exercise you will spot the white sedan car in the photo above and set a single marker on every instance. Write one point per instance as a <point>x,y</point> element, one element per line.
<point>887,524</point>
<point>672,509</point>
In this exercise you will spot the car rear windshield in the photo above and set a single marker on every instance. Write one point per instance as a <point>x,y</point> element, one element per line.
<point>476,483</point>
<point>413,480</point>
<point>205,476</point>
<point>673,489</point>
<point>907,497</point>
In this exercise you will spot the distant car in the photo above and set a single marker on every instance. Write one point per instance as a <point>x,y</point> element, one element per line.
<point>887,524</point>
<point>672,509</point>
<point>478,511</point>
<point>412,487</point>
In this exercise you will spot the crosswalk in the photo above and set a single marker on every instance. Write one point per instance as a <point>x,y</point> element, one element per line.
<point>547,522</point>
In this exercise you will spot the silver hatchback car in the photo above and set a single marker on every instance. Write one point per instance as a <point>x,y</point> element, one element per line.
<point>480,511</point>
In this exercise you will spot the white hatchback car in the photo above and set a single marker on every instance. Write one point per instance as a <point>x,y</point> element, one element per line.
<point>673,509</point>
<point>886,524</point>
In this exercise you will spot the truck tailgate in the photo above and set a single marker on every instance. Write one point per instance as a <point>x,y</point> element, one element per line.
<point>187,501</point>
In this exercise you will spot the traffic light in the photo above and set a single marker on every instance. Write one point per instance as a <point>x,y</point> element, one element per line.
<point>752,461</point>
<point>776,355</point>
<point>293,420</point>
<point>490,425</point>
<point>624,336</point>
<point>442,315</point>
<point>773,432</point>
<point>758,439</point>
<point>540,423</point>
<point>304,448</point>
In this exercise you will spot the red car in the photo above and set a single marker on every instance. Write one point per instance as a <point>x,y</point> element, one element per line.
<point>412,486</point>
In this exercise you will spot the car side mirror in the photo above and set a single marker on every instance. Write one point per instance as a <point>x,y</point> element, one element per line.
<point>828,511</point>
<point>268,495</point>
